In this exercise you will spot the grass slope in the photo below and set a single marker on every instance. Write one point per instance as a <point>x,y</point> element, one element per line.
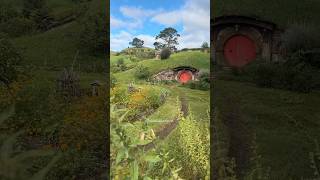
<point>195,59</point>
<point>282,12</point>
<point>285,123</point>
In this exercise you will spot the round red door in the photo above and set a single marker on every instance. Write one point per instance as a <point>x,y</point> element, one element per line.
<point>239,50</point>
<point>185,76</point>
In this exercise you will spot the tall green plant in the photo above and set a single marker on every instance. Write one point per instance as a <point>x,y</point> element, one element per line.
<point>13,163</point>
<point>195,142</point>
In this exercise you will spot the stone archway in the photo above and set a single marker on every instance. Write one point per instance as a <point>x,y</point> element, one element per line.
<point>258,35</point>
<point>228,33</point>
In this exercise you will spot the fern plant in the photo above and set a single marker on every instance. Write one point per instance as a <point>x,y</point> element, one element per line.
<point>14,164</point>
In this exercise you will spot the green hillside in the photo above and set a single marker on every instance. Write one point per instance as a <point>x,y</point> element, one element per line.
<point>270,131</point>
<point>195,59</point>
<point>41,129</point>
<point>282,12</point>
<point>185,151</point>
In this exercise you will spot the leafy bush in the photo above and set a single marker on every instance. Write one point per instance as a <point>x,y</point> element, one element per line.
<point>121,66</point>
<point>301,37</point>
<point>120,95</point>
<point>142,72</point>
<point>283,76</point>
<point>190,146</point>
<point>263,74</point>
<point>165,53</point>
<point>84,125</point>
<point>83,139</point>
<point>143,102</point>
<point>204,76</point>
<point>202,84</point>
<point>15,164</point>
<point>128,157</point>
<point>9,59</point>
<point>139,53</point>
<point>113,81</point>
<point>146,55</point>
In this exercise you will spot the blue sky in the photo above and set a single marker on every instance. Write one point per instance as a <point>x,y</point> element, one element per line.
<point>146,18</point>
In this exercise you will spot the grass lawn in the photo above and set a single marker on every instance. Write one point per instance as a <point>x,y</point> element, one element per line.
<point>285,123</point>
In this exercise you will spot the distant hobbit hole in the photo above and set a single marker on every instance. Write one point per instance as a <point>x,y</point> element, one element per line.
<point>239,50</point>
<point>182,74</point>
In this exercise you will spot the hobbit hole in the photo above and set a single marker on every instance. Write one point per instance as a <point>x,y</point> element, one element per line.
<point>239,40</point>
<point>182,74</point>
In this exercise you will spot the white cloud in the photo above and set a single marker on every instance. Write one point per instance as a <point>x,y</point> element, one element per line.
<point>148,40</point>
<point>135,17</point>
<point>118,23</point>
<point>137,12</point>
<point>194,16</point>
<point>121,40</point>
<point>195,19</point>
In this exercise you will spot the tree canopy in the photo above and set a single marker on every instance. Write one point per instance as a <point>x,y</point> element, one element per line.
<point>169,39</point>
<point>136,42</point>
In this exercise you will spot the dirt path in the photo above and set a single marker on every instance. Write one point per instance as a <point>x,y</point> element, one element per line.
<point>240,136</point>
<point>169,127</point>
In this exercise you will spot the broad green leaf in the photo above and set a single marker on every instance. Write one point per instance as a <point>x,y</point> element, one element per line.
<point>152,158</point>
<point>147,178</point>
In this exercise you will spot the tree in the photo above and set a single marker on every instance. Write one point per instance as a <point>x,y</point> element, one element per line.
<point>158,45</point>
<point>136,42</point>
<point>169,37</point>
<point>205,45</point>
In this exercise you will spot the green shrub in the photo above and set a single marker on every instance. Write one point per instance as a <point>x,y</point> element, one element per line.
<point>297,79</point>
<point>165,53</point>
<point>142,72</point>
<point>9,59</point>
<point>113,81</point>
<point>16,164</point>
<point>202,84</point>
<point>263,74</point>
<point>193,141</point>
<point>204,76</point>
<point>283,76</point>
<point>301,37</point>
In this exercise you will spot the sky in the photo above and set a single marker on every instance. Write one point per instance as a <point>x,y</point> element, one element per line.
<point>144,19</point>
